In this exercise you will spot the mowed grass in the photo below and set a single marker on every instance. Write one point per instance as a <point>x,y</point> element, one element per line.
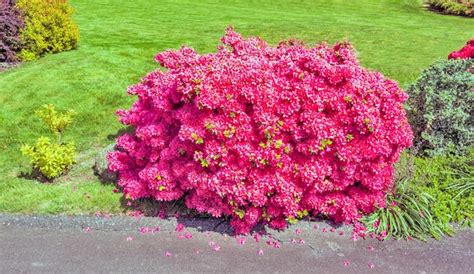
<point>119,40</point>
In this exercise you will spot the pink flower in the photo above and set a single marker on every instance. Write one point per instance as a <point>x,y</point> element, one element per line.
<point>341,232</point>
<point>298,231</point>
<point>216,248</point>
<point>324,230</point>
<point>376,224</point>
<point>256,236</point>
<point>144,230</point>
<point>87,229</point>
<point>302,241</point>
<point>371,265</point>
<point>136,214</point>
<point>129,239</point>
<point>241,241</point>
<point>179,227</point>
<point>346,263</point>
<point>162,213</point>
<point>355,237</point>
<point>370,248</point>
<point>260,252</point>
<point>274,244</point>
<point>168,254</point>
<point>188,235</point>
<point>293,241</point>
<point>332,229</point>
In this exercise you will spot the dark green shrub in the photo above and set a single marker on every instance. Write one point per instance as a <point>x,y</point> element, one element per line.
<point>440,108</point>
<point>456,7</point>
<point>48,28</point>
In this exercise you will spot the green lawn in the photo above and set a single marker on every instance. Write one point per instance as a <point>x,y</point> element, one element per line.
<point>120,38</point>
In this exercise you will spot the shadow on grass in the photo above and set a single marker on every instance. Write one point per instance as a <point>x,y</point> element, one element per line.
<point>114,136</point>
<point>36,175</point>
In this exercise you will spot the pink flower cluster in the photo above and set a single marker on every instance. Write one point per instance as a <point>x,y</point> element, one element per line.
<point>263,134</point>
<point>466,52</point>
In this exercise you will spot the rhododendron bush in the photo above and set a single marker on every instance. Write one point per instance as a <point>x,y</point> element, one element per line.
<point>465,53</point>
<point>263,134</point>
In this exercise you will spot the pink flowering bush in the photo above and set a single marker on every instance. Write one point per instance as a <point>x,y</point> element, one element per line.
<point>263,134</point>
<point>466,52</point>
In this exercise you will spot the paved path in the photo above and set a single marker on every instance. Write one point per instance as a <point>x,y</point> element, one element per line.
<point>98,244</point>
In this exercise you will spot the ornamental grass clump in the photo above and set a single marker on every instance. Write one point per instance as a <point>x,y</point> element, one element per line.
<point>263,134</point>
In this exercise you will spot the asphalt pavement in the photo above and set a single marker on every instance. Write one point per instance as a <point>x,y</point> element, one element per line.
<point>82,244</point>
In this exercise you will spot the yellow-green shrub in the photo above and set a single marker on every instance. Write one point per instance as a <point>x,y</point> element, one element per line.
<point>48,28</point>
<point>57,122</point>
<point>51,159</point>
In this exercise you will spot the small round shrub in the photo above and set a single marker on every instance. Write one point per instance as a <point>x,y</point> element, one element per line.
<point>441,108</point>
<point>10,25</point>
<point>263,134</point>
<point>48,28</point>
<point>49,159</point>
